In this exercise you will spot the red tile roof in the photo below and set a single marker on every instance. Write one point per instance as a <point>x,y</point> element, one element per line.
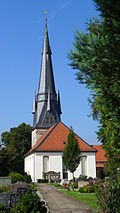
<point>54,140</point>
<point>100,154</point>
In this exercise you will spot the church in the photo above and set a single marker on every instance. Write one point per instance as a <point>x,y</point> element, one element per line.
<point>49,134</point>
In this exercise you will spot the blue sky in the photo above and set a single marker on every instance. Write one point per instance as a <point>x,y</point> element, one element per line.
<point>21,39</point>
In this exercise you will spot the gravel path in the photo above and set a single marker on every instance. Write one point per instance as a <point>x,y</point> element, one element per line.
<point>59,202</point>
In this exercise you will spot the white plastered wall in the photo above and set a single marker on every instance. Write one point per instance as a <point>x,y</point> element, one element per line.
<point>56,163</point>
<point>29,166</point>
<point>34,165</point>
<point>90,166</point>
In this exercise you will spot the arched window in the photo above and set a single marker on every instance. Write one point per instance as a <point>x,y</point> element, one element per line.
<point>45,163</point>
<point>84,165</point>
<point>49,120</point>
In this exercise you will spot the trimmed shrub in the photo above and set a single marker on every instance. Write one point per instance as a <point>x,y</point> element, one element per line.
<point>29,203</point>
<point>15,177</point>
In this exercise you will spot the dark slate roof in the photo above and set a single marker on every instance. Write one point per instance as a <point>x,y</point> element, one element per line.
<point>46,103</point>
<point>46,77</point>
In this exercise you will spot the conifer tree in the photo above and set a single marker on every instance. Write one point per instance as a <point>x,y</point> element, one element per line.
<point>71,153</point>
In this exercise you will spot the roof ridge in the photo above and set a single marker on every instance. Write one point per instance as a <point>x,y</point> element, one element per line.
<point>79,137</point>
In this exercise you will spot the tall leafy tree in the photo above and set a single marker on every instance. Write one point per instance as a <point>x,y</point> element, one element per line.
<point>71,153</point>
<point>15,144</point>
<point>96,56</point>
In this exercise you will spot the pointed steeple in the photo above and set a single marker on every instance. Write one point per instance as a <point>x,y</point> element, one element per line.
<point>46,78</point>
<point>47,108</point>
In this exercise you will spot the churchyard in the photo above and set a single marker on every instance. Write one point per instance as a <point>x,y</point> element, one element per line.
<point>16,196</point>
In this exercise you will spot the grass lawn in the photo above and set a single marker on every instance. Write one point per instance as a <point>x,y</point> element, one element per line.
<point>88,198</point>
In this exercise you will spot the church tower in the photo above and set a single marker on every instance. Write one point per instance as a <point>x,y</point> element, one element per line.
<point>46,104</point>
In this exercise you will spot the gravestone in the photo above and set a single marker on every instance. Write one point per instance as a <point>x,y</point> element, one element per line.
<point>19,185</point>
<point>22,191</point>
<point>5,198</point>
<point>14,199</point>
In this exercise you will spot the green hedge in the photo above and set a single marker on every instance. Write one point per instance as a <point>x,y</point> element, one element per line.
<point>15,177</point>
<point>108,195</point>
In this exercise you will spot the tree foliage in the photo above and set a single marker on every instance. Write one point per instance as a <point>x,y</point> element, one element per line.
<point>71,153</point>
<point>3,208</point>
<point>16,177</point>
<point>108,195</point>
<point>96,55</point>
<point>15,144</point>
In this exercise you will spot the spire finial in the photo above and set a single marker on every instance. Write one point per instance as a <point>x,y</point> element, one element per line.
<point>45,12</point>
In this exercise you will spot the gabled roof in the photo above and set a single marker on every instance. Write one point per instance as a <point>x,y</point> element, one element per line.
<point>54,140</point>
<point>100,154</point>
